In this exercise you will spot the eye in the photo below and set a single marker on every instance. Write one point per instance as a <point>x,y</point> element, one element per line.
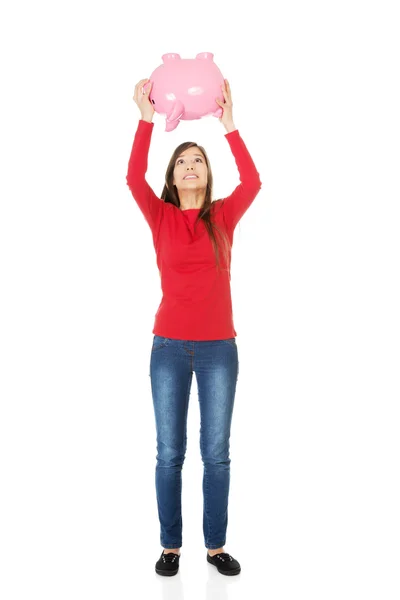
<point>198,158</point>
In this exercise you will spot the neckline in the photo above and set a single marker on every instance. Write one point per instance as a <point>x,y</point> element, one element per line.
<point>186,209</point>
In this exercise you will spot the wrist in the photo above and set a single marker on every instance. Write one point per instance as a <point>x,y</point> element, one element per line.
<point>230,127</point>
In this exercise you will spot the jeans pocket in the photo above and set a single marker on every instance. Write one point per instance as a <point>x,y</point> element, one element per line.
<point>159,342</point>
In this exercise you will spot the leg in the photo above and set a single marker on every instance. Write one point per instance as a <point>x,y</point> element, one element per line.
<point>216,368</point>
<point>171,377</point>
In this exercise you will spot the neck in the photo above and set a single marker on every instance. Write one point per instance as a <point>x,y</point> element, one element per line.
<point>191,199</point>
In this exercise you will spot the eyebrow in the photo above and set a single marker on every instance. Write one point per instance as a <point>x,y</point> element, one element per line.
<point>192,155</point>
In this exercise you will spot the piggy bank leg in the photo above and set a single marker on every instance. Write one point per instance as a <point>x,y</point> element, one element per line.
<point>176,112</point>
<point>171,125</point>
<point>174,115</point>
<point>218,112</point>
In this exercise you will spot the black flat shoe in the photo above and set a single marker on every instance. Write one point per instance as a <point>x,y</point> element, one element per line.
<point>224,563</point>
<point>168,564</point>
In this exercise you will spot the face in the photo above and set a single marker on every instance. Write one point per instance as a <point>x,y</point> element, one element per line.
<point>190,162</point>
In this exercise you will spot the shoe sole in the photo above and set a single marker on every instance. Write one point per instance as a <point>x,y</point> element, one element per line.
<point>168,573</point>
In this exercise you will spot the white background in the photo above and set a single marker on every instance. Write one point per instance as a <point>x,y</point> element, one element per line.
<point>315,450</point>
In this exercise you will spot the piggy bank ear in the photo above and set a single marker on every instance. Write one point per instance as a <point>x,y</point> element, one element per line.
<point>170,56</point>
<point>205,56</point>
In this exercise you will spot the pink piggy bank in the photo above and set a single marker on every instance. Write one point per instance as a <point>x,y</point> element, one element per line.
<point>186,88</point>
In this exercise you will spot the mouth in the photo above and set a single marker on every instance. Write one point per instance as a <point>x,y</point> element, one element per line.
<point>191,177</point>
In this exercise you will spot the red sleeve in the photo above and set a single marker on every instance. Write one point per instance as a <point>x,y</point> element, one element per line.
<point>150,205</point>
<point>235,205</point>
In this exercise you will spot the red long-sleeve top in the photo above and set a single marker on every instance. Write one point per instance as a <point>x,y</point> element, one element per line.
<point>196,299</point>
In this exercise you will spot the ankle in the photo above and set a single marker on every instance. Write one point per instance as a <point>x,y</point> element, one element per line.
<point>215,551</point>
<point>169,550</point>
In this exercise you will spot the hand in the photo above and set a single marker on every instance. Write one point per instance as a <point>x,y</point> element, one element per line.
<point>141,97</point>
<point>226,119</point>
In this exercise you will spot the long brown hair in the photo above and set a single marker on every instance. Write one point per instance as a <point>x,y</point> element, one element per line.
<point>170,194</point>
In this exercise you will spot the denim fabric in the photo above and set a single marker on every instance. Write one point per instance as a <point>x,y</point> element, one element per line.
<point>172,365</point>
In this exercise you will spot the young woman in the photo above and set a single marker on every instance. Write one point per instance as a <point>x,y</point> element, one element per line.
<point>193,329</point>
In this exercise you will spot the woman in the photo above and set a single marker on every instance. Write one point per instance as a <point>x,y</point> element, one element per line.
<point>193,330</point>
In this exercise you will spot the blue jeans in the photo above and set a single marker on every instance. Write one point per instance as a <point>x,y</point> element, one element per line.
<point>216,365</point>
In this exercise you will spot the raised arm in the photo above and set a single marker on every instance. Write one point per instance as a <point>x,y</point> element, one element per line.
<point>235,205</point>
<point>150,205</point>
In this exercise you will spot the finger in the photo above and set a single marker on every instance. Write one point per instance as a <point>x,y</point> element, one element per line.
<point>139,94</point>
<point>136,92</point>
<point>140,83</point>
